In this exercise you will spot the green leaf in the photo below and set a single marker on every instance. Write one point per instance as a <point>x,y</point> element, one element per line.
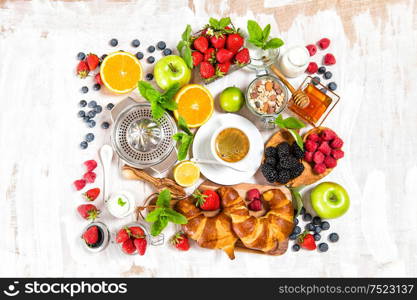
<point>184,142</point>
<point>254,30</point>
<point>182,124</point>
<point>157,110</point>
<point>143,87</point>
<point>224,22</point>
<point>174,216</point>
<point>121,202</point>
<point>170,105</point>
<point>279,121</point>
<point>164,199</point>
<point>298,204</point>
<point>180,46</point>
<point>293,123</point>
<point>265,33</point>
<point>159,225</point>
<point>187,57</point>
<point>170,93</point>
<point>297,138</point>
<point>154,215</point>
<point>214,23</point>
<point>187,33</point>
<point>273,43</point>
<point>256,43</point>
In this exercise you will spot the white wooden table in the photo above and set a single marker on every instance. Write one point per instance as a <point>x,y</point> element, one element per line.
<point>375,46</point>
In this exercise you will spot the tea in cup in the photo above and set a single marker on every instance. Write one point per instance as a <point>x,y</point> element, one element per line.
<point>230,144</point>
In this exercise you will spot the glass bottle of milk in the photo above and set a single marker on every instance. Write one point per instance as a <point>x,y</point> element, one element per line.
<point>294,61</point>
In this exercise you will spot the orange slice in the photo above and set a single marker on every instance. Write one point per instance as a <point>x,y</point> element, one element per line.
<point>195,104</point>
<point>120,72</point>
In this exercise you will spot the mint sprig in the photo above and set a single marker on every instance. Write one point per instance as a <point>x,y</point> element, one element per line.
<point>184,46</point>
<point>159,101</point>
<point>163,214</point>
<point>292,125</point>
<point>121,202</point>
<point>260,37</point>
<point>296,195</point>
<point>184,139</point>
<point>219,24</point>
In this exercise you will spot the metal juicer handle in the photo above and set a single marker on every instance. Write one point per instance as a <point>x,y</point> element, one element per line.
<point>121,106</point>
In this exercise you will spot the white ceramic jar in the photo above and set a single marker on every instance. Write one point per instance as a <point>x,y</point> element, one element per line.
<point>294,61</point>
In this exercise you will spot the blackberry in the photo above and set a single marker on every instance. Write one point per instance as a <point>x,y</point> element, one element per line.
<point>271,161</point>
<point>269,173</point>
<point>271,152</point>
<point>288,162</point>
<point>283,176</point>
<point>296,151</point>
<point>297,170</point>
<point>283,149</point>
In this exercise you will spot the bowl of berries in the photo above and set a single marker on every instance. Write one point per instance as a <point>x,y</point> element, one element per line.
<point>133,239</point>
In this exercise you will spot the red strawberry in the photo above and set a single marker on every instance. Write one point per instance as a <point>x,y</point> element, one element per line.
<point>210,55</point>
<point>312,68</point>
<point>319,168</point>
<point>255,205</point>
<point>312,49</point>
<point>324,148</point>
<point>318,157</point>
<point>328,135</point>
<point>306,241</point>
<point>206,70</point>
<point>91,194</point>
<point>329,59</point>
<point>128,247</point>
<point>218,41</point>
<point>97,78</point>
<point>140,245</point>
<point>136,232</point>
<point>223,69</point>
<point>234,42</point>
<point>330,162</point>
<point>323,43</point>
<point>90,177</point>
<point>79,184</point>
<point>82,69</point>
<point>337,143</point>
<point>90,164</point>
<point>242,57</point>
<point>201,44</point>
<point>92,61</point>
<point>313,137</point>
<point>90,236</point>
<point>88,211</point>
<point>197,58</point>
<point>224,55</point>
<point>208,200</point>
<point>180,241</point>
<point>122,236</point>
<point>308,156</point>
<point>310,146</point>
<point>338,154</point>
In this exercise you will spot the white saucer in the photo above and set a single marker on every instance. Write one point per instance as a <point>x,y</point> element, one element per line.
<point>222,174</point>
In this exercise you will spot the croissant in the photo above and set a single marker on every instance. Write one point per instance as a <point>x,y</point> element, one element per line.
<point>263,233</point>
<point>209,232</point>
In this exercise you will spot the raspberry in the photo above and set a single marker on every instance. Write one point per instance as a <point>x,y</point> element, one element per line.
<point>79,184</point>
<point>90,164</point>
<point>328,135</point>
<point>319,168</point>
<point>313,137</point>
<point>337,143</point>
<point>90,177</point>
<point>318,157</point>
<point>308,156</point>
<point>255,205</point>
<point>312,49</point>
<point>324,148</point>
<point>312,68</point>
<point>323,43</point>
<point>329,59</point>
<point>310,146</point>
<point>337,153</point>
<point>330,162</point>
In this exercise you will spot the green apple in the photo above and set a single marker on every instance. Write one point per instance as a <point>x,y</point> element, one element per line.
<point>171,69</point>
<point>231,99</point>
<point>330,200</point>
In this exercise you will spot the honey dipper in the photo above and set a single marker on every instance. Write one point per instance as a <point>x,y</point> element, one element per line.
<point>299,97</point>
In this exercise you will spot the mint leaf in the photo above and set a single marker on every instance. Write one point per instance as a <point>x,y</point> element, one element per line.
<point>181,45</point>
<point>254,30</point>
<point>297,138</point>
<point>187,57</point>
<point>157,110</point>
<point>153,215</point>
<point>187,33</point>
<point>273,44</point>
<point>293,123</point>
<point>164,199</point>
<point>214,23</point>
<point>159,225</point>
<point>298,204</point>
<point>182,124</point>
<point>224,22</point>
<point>174,216</point>
<point>170,104</point>
<point>121,202</point>
<point>184,140</point>
<point>265,33</point>
<point>255,43</point>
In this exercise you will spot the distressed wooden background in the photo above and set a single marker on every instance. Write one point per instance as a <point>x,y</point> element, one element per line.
<point>375,45</point>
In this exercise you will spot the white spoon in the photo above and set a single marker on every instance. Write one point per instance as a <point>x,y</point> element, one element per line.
<point>215,162</point>
<point>106,156</point>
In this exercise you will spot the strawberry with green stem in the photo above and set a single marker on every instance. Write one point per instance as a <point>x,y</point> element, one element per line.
<point>208,200</point>
<point>88,211</point>
<point>180,241</point>
<point>306,241</point>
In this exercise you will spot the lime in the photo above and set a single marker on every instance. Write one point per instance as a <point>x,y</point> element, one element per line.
<point>231,99</point>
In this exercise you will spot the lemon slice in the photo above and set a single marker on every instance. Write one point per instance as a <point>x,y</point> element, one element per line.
<point>186,173</point>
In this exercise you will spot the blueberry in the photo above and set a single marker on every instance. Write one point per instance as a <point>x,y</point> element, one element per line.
<point>167,52</point>
<point>316,80</point>
<point>149,76</point>
<point>110,106</point>
<point>307,217</point>
<point>135,43</point>
<point>96,86</point>
<point>91,114</point>
<point>332,86</point>
<point>323,247</point>
<point>316,220</point>
<point>323,90</point>
<point>295,247</point>
<point>83,145</point>
<point>310,227</point>
<point>103,56</point>
<point>292,237</point>
<point>297,230</point>
<point>321,70</point>
<point>84,90</point>
<point>150,59</point>
<point>114,42</point>
<point>81,114</point>
<point>296,221</point>
<point>328,75</point>
<point>139,55</point>
<point>98,109</point>
<point>92,104</point>
<point>89,137</point>
<point>82,103</point>
<point>91,123</point>
<point>86,119</point>
<point>81,55</point>
<point>151,49</point>
<point>317,237</point>
<point>325,225</point>
<point>333,237</point>
<point>317,229</point>
<point>105,125</point>
<point>161,45</point>
<point>303,211</point>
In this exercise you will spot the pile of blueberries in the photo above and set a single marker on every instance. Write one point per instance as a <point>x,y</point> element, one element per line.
<point>326,75</point>
<point>315,227</point>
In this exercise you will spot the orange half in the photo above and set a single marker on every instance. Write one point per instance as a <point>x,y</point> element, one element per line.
<point>120,72</point>
<point>195,104</point>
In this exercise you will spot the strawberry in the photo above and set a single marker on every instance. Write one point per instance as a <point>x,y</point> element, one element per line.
<point>90,177</point>
<point>218,41</point>
<point>224,55</point>
<point>208,200</point>
<point>140,245</point>
<point>128,247</point>
<point>206,70</point>
<point>88,211</point>
<point>223,68</point>
<point>197,58</point>
<point>323,43</point>
<point>329,59</point>
<point>91,194</point>
<point>180,241</point>
<point>97,79</point>
<point>210,55</point>
<point>90,164</point>
<point>201,44</point>
<point>82,69</point>
<point>306,241</point>
<point>234,42</point>
<point>79,184</point>
<point>90,236</point>
<point>122,236</point>
<point>312,49</point>
<point>242,57</point>
<point>92,61</point>
<point>312,68</point>
<point>136,232</point>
